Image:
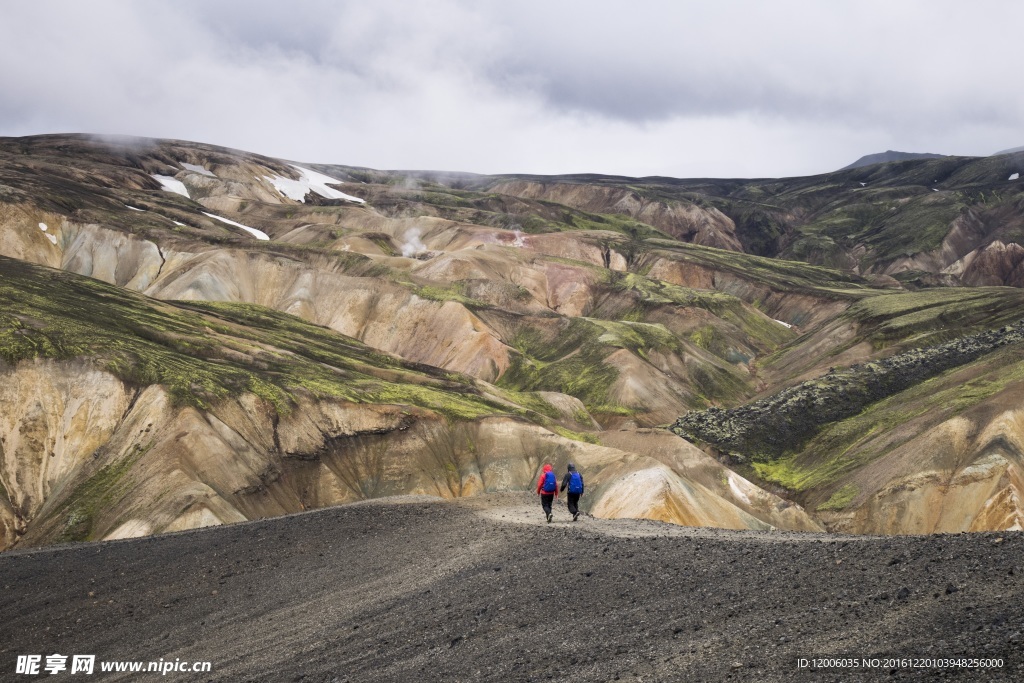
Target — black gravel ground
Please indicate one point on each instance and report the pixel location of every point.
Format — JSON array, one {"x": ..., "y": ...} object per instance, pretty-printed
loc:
[{"x": 482, "y": 590}]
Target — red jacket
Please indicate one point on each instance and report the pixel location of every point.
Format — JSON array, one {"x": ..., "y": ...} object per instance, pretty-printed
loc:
[{"x": 540, "y": 482}]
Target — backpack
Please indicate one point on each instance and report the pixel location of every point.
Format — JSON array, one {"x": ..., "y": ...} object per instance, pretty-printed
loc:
[
  {"x": 550, "y": 483},
  {"x": 575, "y": 482}
]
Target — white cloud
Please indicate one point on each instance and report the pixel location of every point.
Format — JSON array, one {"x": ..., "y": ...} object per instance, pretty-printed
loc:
[{"x": 686, "y": 89}]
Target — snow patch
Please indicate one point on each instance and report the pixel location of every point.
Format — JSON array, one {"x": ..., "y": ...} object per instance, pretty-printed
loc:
[
  {"x": 172, "y": 185},
  {"x": 258, "y": 234},
  {"x": 863, "y": 184},
  {"x": 934, "y": 190},
  {"x": 309, "y": 181},
  {"x": 52, "y": 238},
  {"x": 1014, "y": 176},
  {"x": 195, "y": 168},
  {"x": 177, "y": 223},
  {"x": 412, "y": 244},
  {"x": 786, "y": 325},
  {"x": 133, "y": 208}
]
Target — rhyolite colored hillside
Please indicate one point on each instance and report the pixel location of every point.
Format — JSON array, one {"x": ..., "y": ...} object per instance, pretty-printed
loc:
[{"x": 193, "y": 335}]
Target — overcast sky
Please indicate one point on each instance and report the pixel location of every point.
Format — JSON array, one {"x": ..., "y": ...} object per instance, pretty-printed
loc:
[{"x": 689, "y": 89}]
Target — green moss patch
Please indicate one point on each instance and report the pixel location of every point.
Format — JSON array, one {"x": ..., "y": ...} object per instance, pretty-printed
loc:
[
  {"x": 99, "y": 492},
  {"x": 569, "y": 360},
  {"x": 576, "y": 436},
  {"x": 787, "y": 276},
  {"x": 840, "y": 499},
  {"x": 935, "y": 315}
]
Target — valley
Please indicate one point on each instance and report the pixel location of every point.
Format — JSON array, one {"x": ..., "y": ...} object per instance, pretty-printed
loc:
[{"x": 192, "y": 336}]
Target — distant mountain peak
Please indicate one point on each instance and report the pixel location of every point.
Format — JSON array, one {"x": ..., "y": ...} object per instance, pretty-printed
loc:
[
  {"x": 889, "y": 155},
  {"x": 1009, "y": 151}
]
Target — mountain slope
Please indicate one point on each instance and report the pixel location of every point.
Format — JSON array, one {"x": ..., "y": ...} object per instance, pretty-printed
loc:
[
  {"x": 887, "y": 156},
  {"x": 124, "y": 416},
  {"x": 920, "y": 220},
  {"x": 461, "y": 329},
  {"x": 922, "y": 441}
]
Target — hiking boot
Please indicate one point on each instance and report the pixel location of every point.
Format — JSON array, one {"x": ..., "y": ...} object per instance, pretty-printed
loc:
[
  {"x": 575, "y": 516},
  {"x": 549, "y": 518}
]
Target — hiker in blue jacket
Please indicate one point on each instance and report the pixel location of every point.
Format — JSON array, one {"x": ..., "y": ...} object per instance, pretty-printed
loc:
[{"x": 573, "y": 480}]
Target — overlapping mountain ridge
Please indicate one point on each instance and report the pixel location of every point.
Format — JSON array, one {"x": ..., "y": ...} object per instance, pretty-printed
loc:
[{"x": 410, "y": 332}]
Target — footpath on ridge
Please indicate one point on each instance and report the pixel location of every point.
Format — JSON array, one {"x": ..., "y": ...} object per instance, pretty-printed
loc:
[{"x": 482, "y": 589}]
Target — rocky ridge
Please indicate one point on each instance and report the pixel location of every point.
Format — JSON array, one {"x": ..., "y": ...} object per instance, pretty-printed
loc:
[
  {"x": 784, "y": 422},
  {"x": 481, "y": 588}
]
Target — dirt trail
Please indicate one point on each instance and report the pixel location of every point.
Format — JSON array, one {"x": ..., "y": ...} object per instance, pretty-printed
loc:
[
  {"x": 424, "y": 590},
  {"x": 525, "y": 509}
]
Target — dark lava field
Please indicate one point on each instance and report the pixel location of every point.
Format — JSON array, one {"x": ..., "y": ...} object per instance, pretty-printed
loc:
[{"x": 482, "y": 590}]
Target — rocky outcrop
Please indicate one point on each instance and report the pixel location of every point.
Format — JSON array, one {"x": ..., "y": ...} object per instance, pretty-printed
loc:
[
  {"x": 770, "y": 427},
  {"x": 995, "y": 264}
]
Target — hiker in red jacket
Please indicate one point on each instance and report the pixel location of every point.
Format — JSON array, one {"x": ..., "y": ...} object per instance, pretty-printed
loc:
[{"x": 547, "y": 488}]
